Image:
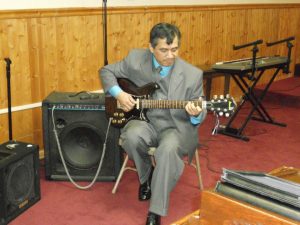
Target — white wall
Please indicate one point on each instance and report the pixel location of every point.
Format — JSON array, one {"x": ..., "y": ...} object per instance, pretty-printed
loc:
[{"x": 37, "y": 4}]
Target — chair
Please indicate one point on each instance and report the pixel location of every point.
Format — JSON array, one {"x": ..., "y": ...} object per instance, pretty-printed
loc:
[{"x": 151, "y": 153}]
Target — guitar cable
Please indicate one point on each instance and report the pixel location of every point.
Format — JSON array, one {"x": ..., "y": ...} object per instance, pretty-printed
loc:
[
  {"x": 63, "y": 160},
  {"x": 217, "y": 124}
]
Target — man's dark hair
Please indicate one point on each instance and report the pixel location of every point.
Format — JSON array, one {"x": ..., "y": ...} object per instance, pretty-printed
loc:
[{"x": 162, "y": 31}]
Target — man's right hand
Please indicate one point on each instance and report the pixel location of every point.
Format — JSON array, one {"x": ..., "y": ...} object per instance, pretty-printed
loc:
[{"x": 126, "y": 101}]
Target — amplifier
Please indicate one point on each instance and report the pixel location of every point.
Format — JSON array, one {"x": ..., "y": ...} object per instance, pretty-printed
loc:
[{"x": 81, "y": 124}]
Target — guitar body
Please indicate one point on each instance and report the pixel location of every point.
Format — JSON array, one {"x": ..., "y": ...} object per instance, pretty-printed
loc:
[{"x": 119, "y": 117}]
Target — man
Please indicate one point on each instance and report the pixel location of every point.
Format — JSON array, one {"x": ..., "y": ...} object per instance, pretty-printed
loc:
[{"x": 174, "y": 132}]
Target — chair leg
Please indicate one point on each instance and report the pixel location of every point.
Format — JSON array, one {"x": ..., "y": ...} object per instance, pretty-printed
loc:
[
  {"x": 123, "y": 169},
  {"x": 198, "y": 169}
]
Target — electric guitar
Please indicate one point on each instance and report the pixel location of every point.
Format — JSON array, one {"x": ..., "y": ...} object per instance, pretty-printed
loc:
[{"x": 222, "y": 106}]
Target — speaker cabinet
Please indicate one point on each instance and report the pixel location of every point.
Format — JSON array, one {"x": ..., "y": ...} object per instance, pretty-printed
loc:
[
  {"x": 81, "y": 125},
  {"x": 19, "y": 179}
]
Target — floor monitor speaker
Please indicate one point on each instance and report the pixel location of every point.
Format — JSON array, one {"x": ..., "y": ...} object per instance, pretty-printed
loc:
[
  {"x": 81, "y": 125},
  {"x": 19, "y": 179}
]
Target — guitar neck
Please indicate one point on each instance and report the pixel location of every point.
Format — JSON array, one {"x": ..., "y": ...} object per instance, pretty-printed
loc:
[{"x": 165, "y": 104}]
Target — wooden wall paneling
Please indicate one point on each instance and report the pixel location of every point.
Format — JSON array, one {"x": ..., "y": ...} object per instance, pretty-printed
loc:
[
  {"x": 235, "y": 34},
  {"x": 263, "y": 24},
  {"x": 95, "y": 48},
  {"x": 19, "y": 55},
  {"x": 3, "y": 128},
  {"x": 37, "y": 132},
  {"x": 22, "y": 125},
  {"x": 3, "y": 90},
  {"x": 3, "y": 54},
  {"x": 34, "y": 41},
  {"x": 227, "y": 30},
  {"x": 289, "y": 26},
  {"x": 34, "y": 59},
  {"x": 17, "y": 44},
  {"x": 53, "y": 53},
  {"x": 135, "y": 32},
  {"x": 114, "y": 37},
  {"x": 86, "y": 70},
  {"x": 48, "y": 58},
  {"x": 183, "y": 21},
  {"x": 72, "y": 46},
  {"x": 99, "y": 42},
  {"x": 200, "y": 46},
  {"x": 201, "y": 32}
]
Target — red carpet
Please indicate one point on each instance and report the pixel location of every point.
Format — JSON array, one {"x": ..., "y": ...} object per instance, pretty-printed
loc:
[
  {"x": 285, "y": 92},
  {"x": 269, "y": 147}
]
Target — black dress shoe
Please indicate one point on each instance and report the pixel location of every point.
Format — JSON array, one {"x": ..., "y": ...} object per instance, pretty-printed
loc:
[
  {"x": 145, "y": 189},
  {"x": 153, "y": 219}
]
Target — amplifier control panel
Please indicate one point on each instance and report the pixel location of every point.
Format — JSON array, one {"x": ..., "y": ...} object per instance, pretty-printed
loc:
[{"x": 77, "y": 107}]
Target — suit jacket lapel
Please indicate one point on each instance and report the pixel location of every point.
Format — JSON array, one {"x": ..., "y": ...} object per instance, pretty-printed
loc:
[
  {"x": 175, "y": 79},
  {"x": 146, "y": 66}
]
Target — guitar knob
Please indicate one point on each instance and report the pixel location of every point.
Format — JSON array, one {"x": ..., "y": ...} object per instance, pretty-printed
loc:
[
  {"x": 221, "y": 113},
  {"x": 116, "y": 114},
  {"x": 121, "y": 114},
  {"x": 119, "y": 121},
  {"x": 114, "y": 121},
  {"x": 215, "y": 97},
  {"x": 221, "y": 96},
  {"x": 227, "y": 114},
  {"x": 227, "y": 95}
]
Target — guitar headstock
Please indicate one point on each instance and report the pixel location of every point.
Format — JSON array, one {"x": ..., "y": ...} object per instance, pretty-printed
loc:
[{"x": 223, "y": 106}]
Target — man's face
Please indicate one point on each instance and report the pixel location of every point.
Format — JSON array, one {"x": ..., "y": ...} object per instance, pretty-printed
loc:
[{"x": 165, "y": 54}]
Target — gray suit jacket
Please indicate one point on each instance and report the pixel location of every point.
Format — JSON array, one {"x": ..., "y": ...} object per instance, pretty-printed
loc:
[{"x": 186, "y": 84}]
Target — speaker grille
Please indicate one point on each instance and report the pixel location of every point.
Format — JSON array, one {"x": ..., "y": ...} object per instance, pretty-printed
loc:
[
  {"x": 20, "y": 181},
  {"x": 81, "y": 145}
]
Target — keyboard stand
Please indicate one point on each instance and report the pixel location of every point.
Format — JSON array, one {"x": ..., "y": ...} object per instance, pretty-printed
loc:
[{"x": 247, "y": 88}]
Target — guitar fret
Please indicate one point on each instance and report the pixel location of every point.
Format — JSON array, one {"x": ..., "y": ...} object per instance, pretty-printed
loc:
[{"x": 166, "y": 104}]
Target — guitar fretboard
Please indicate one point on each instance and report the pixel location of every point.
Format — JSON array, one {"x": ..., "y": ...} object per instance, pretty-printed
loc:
[{"x": 166, "y": 104}]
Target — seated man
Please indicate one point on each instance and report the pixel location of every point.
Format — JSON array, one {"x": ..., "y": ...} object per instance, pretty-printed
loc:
[{"x": 174, "y": 132}]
